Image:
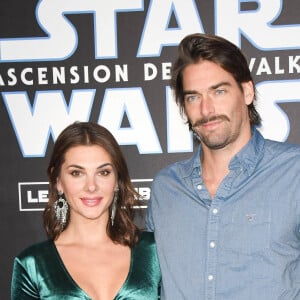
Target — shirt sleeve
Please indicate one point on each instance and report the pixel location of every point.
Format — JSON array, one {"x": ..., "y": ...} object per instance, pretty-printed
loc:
[{"x": 22, "y": 286}]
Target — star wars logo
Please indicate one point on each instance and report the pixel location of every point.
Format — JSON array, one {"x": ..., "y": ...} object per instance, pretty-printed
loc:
[{"x": 49, "y": 111}]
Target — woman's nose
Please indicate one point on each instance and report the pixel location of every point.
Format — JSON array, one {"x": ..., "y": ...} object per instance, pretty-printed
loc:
[{"x": 91, "y": 184}]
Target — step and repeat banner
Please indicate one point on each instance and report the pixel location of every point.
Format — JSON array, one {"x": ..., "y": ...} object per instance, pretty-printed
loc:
[{"x": 109, "y": 62}]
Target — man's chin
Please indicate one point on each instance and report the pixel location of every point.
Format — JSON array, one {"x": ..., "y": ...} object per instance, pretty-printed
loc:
[{"x": 214, "y": 144}]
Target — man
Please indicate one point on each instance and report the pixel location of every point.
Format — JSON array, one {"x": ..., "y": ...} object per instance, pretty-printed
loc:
[{"x": 227, "y": 220}]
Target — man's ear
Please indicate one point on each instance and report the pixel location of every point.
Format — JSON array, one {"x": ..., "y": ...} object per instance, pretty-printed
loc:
[{"x": 248, "y": 90}]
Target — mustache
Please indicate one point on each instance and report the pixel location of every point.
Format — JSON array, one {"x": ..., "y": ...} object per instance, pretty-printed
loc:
[{"x": 210, "y": 119}]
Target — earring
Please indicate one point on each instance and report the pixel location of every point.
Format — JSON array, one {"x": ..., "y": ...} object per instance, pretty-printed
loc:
[
  {"x": 61, "y": 209},
  {"x": 114, "y": 207}
]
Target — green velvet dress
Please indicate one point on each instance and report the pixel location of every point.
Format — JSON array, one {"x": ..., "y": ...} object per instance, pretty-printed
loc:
[{"x": 39, "y": 273}]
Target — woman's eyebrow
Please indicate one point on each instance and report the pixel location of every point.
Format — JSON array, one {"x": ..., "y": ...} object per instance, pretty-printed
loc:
[{"x": 81, "y": 168}]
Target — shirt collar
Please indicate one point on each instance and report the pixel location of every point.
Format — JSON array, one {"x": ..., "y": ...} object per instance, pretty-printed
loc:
[
  {"x": 247, "y": 158},
  {"x": 250, "y": 155}
]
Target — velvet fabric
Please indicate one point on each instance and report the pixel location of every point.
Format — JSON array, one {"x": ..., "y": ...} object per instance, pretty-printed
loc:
[{"x": 39, "y": 273}]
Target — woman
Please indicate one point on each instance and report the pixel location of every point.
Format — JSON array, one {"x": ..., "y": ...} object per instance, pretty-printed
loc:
[{"x": 94, "y": 250}]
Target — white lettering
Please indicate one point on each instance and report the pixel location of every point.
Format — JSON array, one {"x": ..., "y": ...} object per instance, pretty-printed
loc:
[
  {"x": 275, "y": 65},
  {"x": 179, "y": 137},
  {"x": 30, "y": 198},
  {"x": 12, "y": 77},
  {"x": 24, "y": 78},
  {"x": 41, "y": 197},
  {"x": 61, "y": 40},
  {"x": 63, "y": 75},
  {"x": 74, "y": 75},
  {"x": 275, "y": 123},
  {"x": 130, "y": 102},
  {"x": 263, "y": 67},
  {"x": 1, "y": 81},
  {"x": 294, "y": 64},
  {"x": 104, "y": 70},
  {"x": 144, "y": 192},
  {"x": 166, "y": 71},
  {"x": 42, "y": 76},
  {"x": 150, "y": 71},
  {"x": 59, "y": 75},
  {"x": 86, "y": 74},
  {"x": 278, "y": 70},
  {"x": 263, "y": 35},
  {"x": 121, "y": 73},
  {"x": 49, "y": 115},
  {"x": 157, "y": 29}
]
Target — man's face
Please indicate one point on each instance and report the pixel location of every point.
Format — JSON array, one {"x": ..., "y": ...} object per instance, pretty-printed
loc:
[{"x": 216, "y": 106}]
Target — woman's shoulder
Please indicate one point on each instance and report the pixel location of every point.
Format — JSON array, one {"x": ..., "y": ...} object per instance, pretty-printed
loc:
[
  {"x": 145, "y": 254},
  {"x": 37, "y": 250},
  {"x": 147, "y": 237},
  {"x": 146, "y": 243}
]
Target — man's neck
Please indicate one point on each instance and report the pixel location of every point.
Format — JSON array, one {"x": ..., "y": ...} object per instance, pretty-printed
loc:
[{"x": 215, "y": 164}]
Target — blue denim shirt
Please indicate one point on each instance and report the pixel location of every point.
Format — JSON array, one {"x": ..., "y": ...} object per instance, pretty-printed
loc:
[{"x": 242, "y": 245}]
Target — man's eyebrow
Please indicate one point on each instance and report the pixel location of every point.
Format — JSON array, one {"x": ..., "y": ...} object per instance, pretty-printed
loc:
[
  {"x": 213, "y": 87},
  {"x": 222, "y": 83},
  {"x": 189, "y": 92}
]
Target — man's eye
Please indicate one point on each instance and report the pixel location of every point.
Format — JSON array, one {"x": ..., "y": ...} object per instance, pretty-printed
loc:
[
  {"x": 220, "y": 92},
  {"x": 191, "y": 98}
]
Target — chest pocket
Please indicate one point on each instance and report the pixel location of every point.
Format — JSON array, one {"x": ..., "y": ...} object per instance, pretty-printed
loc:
[{"x": 246, "y": 228}]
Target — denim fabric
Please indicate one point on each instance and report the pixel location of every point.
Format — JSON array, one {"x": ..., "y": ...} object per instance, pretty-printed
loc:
[{"x": 242, "y": 245}]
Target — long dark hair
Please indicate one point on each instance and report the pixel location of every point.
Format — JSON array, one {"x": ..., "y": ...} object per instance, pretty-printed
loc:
[
  {"x": 196, "y": 47},
  {"x": 124, "y": 231}
]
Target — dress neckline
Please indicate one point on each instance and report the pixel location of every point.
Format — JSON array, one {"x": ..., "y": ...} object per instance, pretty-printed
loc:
[{"x": 77, "y": 285}]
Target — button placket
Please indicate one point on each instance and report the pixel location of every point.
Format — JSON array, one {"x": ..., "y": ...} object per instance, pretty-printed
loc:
[{"x": 212, "y": 232}]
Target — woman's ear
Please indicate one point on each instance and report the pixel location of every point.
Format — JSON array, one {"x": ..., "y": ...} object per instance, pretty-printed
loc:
[
  {"x": 248, "y": 90},
  {"x": 58, "y": 185}
]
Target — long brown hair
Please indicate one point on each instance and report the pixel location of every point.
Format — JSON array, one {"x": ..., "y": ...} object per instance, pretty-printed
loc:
[
  {"x": 124, "y": 231},
  {"x": 197, "y": 47}
]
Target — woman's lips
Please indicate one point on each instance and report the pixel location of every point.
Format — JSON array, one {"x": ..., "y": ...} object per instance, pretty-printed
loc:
[{"x": 91, "y": 201}]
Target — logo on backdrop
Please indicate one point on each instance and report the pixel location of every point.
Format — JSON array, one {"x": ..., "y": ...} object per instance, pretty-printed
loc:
[
  {"x": 49, "y": 110},
  {"x": 33, "y": 196},
  {"x": 52, "y": 80}
]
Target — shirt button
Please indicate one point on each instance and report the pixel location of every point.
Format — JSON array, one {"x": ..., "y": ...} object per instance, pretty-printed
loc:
[
  {"x": 199, "y": 187},
  {"x": 212, "y": 244},
  {"x": 210, "y": 277},
  {"x": 215, "y": 211}
]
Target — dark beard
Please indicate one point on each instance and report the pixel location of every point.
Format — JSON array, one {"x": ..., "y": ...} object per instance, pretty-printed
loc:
[
  {"x": 215, "y": 146},
  {"x": 206, "y": 141},
  {"x": 208, "y": 119}
]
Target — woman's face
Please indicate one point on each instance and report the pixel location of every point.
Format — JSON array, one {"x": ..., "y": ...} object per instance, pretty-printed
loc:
[{"x": 88, "y": 180}]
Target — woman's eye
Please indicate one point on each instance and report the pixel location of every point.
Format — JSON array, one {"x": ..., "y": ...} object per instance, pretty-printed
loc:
[
  {"x": 75, "y": 173},
  {"x": 104, "y": 172}
]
